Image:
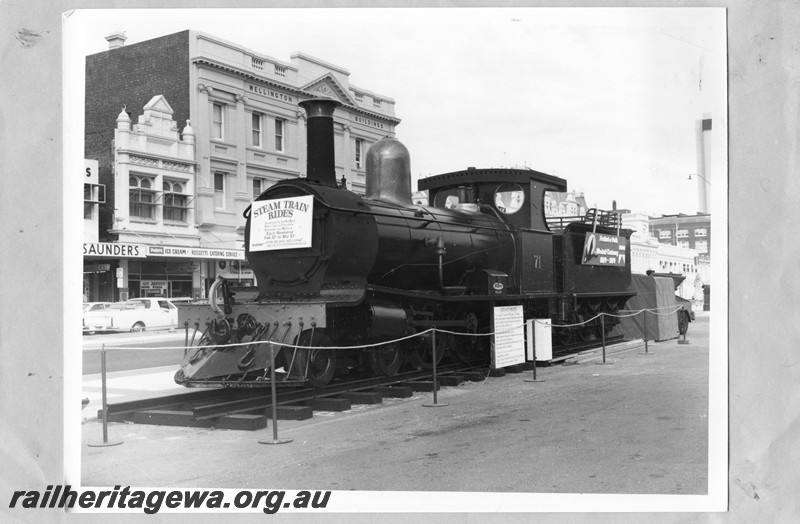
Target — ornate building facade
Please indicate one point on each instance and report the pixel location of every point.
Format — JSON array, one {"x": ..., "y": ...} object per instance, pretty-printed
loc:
[{"x": 240, "y": 108}]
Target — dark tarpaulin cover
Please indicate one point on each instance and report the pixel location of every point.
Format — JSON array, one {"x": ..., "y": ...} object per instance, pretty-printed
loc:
[{"x": 656, "y": 294}]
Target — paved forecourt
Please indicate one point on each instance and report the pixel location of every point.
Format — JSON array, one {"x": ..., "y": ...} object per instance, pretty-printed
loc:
[{"x": 638, "y": 424}]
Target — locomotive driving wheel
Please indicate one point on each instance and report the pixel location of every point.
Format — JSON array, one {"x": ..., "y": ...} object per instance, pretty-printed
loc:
[
  {"x": 421, "y": 353},
  {"x": 562, "y": 334},
  {"x": 386, "y": 360},
  {"x": 470, "y": 348},
  {"x": 589, "y": 311},
  {"x": 316, "y": 364},
  {"x": 585, "y": 331}
]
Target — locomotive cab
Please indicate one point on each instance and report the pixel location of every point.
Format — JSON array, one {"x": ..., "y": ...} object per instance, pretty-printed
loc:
[
  {"x": 515, "y": 198},
  {"x": 515, "y": 195}
]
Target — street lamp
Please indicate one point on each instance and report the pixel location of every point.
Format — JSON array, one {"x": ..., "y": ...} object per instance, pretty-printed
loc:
[{"x": 701, "y": 176}]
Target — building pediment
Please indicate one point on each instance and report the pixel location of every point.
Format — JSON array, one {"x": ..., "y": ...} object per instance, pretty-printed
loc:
[
  {"x": 328, "y": 86},
  {"x": 157, "y": 119},
  {"x": 159, "y": 104}
]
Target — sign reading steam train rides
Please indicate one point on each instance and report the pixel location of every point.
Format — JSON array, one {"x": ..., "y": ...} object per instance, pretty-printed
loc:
[
  {"x": 285, "y": 223},
  {"x": 604, "y": 250}
]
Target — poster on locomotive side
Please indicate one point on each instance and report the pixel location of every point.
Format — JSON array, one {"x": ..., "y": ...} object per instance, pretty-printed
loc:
[
  {"x": 285, "y": 223},
  {"x": 604, "y": 250}
]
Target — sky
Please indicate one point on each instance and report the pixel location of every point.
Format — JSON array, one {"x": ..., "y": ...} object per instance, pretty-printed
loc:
[{"x": 606, "y": 98}]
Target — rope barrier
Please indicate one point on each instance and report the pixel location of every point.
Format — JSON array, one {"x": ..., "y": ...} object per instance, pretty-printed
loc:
[{"x": 409, "y": 337}]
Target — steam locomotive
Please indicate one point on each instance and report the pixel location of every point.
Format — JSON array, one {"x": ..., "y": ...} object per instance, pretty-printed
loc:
[{"x": 345, "y": 281}]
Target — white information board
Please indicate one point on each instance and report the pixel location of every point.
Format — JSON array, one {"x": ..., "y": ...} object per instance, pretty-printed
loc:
[
  {"x": 285, "y": 223},
  {"x": 509, "y": 336},
  {"x": 540, "y": 337}
]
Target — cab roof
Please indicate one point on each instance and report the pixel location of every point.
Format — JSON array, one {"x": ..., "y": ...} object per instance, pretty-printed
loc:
[{"x": 473, "y": 175}]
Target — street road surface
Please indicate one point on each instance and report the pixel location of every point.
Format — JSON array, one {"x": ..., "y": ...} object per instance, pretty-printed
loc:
[{"x": 126, "y": 351}]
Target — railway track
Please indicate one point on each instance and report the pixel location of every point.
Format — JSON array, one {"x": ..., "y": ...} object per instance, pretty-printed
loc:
[{"x": 249, "y": 408}]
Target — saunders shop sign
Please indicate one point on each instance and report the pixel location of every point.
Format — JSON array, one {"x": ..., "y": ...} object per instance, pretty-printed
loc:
[
  {"x": 121, "y": 250},
  {"x": 116, "y": 250}
]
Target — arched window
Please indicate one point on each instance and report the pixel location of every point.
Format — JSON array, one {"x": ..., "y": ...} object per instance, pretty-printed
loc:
[
  {"x": 142, "y": 197},
  {"x": 175, "y": 200}
]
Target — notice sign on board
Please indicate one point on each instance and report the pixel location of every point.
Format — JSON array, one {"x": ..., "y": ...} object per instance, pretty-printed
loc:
[
  {"x": 540, "y": 340},
  {"x": 604, "y": 250},
  {"x": 509, "y": 337},
  {"x": 285, "y": 223}
]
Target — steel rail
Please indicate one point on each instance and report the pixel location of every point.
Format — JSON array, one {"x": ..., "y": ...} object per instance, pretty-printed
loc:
[
  {"x": 286, "y": 396},
  {"x": 211, "y": 403}
]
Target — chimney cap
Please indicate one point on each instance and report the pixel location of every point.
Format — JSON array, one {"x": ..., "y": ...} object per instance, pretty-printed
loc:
[{"x": 116, "y": 39}]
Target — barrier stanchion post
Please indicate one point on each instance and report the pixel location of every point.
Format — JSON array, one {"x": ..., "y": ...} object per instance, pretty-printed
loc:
[
  {"x": 645, "y": 333},
  {"x": 436, "y": 403},
  {"x": 603, "y": 333},
  {"x": 105, "y": 442},
  {"x": 186, "y": 338},
  {"x": 603, "y": 338},
  {"x": 533, "y": 346},
  {"x": 274, "y": 403}
]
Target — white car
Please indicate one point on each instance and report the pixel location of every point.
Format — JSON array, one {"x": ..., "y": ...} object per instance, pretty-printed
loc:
[
  {"x": 135, "y": 315},
  {"x": 95, "y": 306}
]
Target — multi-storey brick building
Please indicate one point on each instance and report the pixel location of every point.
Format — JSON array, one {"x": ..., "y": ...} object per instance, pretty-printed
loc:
[
  {"x": 692, "y": 231},
  {"x": 249, "y": 132},
  {"x": 648, "y": 254}
]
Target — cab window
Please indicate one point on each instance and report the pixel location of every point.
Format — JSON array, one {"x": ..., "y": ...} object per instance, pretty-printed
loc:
[
  {"x": 508, "y": 198},
  {"x": 447, "y": 199}
]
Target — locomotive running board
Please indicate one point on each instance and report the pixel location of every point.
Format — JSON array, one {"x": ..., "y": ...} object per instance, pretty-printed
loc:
[{"x": 431, "y": 295}]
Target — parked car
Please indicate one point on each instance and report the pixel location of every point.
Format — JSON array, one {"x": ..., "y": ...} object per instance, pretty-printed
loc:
[
  {"x": 134, "y": 315},
  {"x": 95, "y": 306}
]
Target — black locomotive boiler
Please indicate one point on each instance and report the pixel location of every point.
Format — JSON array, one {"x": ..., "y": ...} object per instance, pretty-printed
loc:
[{"x": 341, "y": 277}]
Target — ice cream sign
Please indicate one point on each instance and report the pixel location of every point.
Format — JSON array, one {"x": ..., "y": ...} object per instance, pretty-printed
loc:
[{"x": 285, "y": 223}]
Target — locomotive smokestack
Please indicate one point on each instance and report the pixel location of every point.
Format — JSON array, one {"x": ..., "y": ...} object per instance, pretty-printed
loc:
[
  {"x": 320, "y": 163},
  {"x": 389, "y": 172}
]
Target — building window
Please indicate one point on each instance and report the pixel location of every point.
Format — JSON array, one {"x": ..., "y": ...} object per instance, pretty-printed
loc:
[
  {"x": 700, "y": 232},
  {"x": 682, "y": 233},
  {"x": 88, "y": 205},
  {"x": 359, "y": 153},
  {"x": 218, "y": 121},
  {"x": 176, "y": 202},
  {"x": 257, "y": 118},
  {"x": 701, "y": 247},
  {"x": 219, "y": 190},
  {"x": 665, "y": 233},
  {"x": 279, "y": 125},
  {"x": 683, "y": 243},
  {"x": 93, "y": 194},
  {"x": 259, "y": 185},
  {"x": 142, "y": 196}
]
